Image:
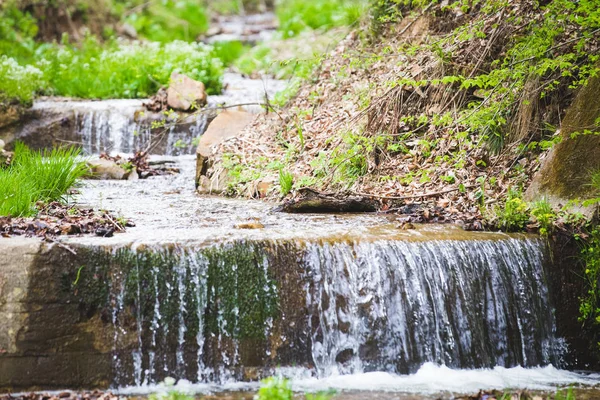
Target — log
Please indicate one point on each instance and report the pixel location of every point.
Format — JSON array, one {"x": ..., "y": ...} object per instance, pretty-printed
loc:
[{"x": 311, "y": 201}]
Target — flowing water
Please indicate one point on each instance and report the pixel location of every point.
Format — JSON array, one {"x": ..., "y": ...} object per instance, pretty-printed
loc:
[{"x": 350, "y": 302}]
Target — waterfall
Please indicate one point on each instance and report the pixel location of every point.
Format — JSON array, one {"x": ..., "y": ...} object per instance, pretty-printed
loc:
[
  {"x": 127, "y": 129},
  {"x": 235, "y": 310}
]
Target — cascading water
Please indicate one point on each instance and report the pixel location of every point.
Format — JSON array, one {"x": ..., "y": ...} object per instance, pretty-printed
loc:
[{"x": 213, "y": 314}]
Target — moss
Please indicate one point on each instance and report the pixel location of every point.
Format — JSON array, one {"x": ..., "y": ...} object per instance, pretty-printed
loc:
[
  {"x": 241, "y": 295},
  {"x": 566, "y": 172}
]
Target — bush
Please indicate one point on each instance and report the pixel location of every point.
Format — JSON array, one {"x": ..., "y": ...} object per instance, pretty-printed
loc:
[
  {"x": 38, "y": 176},
  {"x": 275, "y": 388},
  {"x": 18, "y": 82},
  {"x": 543, "y": 214},
  {"x": 125, "y": 70},
  {"x": 297, "y": 15},
  {"x": 169, "y": 20},
  {"x": 514, "y": 215}
]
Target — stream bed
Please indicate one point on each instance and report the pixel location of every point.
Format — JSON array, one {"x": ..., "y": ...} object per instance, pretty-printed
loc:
[{"x": 219, "y": 293}]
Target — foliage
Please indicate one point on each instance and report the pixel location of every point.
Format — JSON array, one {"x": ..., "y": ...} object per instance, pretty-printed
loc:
[
  {"x": 38, "y": 177},
  {"x": 275, "y": 388},
  {"x": 278, "y": 388},
  {"x": 565, "y": 395},
  {"x": 19, "y": 82},
  {"x": 229, "y": 52},
  {"x": 17, "y": 31},
  {"x": 589, "y": 307},
  {"x": 135, "y": 70},
  {"x": 168, "y": 20},
  {"x": 298, "y": 15},
  {"x": 543, "y": 214},
  {"x": 286, "y": 182},
  {"x": 514, "y": 215}
]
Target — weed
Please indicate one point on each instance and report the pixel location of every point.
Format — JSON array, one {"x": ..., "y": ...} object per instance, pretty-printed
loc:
[
  {"x": 514, "y": 215},
  {"x": 544, "y": 215},
  {"x": 286, "y": 182}
]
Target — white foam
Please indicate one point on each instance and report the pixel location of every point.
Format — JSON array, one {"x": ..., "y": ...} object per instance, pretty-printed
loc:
[{"x": 429, "y": 379}]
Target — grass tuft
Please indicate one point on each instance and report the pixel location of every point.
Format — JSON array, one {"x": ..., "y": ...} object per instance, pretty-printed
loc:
[{"x": 38, "y": 177}]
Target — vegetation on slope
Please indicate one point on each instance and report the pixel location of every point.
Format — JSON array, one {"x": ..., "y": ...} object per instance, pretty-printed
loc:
[{"x": 448, "y": 104}]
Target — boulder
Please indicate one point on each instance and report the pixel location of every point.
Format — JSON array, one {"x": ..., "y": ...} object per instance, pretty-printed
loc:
[
  {"x": 106, "y": 169},
  {"x": 565, "y": 173},
  {"x": 184, "y": 92},
  {"x": 226, "y": 125}
]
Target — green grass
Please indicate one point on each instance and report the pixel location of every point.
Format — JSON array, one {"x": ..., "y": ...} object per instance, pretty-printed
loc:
[
  {"x": 116, "y": 70},
  {"x": 38, "y": 177},
  {"x": 298, "y": 15},
  {"x": 286, "y": 182}
]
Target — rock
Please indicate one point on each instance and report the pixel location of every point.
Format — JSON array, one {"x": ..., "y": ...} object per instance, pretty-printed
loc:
[
  {"x": 106, "y": 169},
  {"x": 565, "y": 173},
  {"x": 263, "y": 187},
  {"x": 226, "y": 125},
  {"x": 132, "y": 175},
  {"x": 184, "y": 92},
  {"x": 250, "y": 225},
  {"x": 128, "y": 31},
  {"x": 1, "y": 145}
]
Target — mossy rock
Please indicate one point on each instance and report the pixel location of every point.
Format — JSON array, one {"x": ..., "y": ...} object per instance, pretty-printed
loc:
[{"x": 566, "y": 172}]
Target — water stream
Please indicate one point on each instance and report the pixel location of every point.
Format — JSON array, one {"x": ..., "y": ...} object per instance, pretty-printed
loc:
[{"x": 334, "y": 301}]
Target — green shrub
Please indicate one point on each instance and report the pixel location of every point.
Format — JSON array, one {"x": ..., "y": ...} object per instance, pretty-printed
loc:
[
  {"x": 297, "y": 15},
  {"x": 18, "y": 82},
  {"x": 125, "y": 70},
  {"x": 544, "y": 215},
  {"x": 38, "y": 176},
  {"x": 514, "y": 215},
  {"x": 275, "y": 388},
  {"x": 589, "y": 307},
  {"x": 228, "y": 52},
  {"x": 168, "y": 20}
]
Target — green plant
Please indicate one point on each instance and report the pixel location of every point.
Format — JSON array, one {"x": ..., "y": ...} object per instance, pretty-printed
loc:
[
  {"x": 275, "y": 388},
  {"x": 514, "y": 215},
  {"x": 169, "y": 20},
  {"x": 229, "y": 52},
  {"x": 542, "y": 212},
  {"x": 565, "y": 395},
  {"x": 95, "y": 70},
  {"x": 38, "y": 176},
  {"x": 589, "y": 307},
  {"x": 52, "y": 172},
  {"x": 19, "y": 82},
  {"x": 286, "y": 182},
  {"x": 297, "y": 15}
]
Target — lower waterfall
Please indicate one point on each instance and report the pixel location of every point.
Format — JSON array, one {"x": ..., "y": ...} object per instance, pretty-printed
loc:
[{"x": 237, "y": 311}]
